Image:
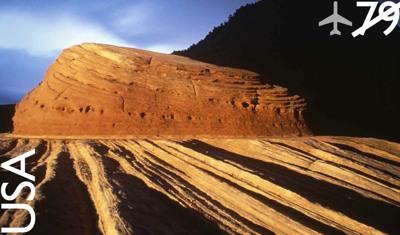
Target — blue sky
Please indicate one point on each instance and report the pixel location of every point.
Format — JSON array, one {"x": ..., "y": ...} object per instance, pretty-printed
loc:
[{"x": 33, "y": 32}]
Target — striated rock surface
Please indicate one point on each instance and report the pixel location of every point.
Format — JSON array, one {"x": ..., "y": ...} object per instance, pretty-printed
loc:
[
  {"x": 95, "y": 89},
  {"x": 308, "y": 185}
]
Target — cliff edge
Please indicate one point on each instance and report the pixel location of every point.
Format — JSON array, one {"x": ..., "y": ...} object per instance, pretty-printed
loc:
[{"x": 95, "y": 89}]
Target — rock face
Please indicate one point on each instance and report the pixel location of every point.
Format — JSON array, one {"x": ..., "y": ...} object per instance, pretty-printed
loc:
[
  {"x": 95, "y": 89},
  {"x": 301, "y": 185}
]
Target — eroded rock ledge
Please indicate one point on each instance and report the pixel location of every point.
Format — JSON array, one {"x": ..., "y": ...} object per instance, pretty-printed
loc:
[{"x": 95, "y": 89}]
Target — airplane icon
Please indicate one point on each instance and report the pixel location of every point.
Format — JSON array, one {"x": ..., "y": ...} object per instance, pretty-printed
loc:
[{"x": 335, "y": 18}]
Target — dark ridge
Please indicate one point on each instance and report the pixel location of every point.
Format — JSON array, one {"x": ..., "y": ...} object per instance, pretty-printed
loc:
[
  {"x": 149, "y": 211},
  {"x": 285, "y": 210},
  {"x": 67, "y": 207},
  {"x": 5, "y": 148},
  {"x": 365, "y": 154},
  {"x": 384, "y": 170},
  {"x": 378, "y": 214},
  {"x": 40, "y": 150},
  {"x": 31, "y": 162},
  {"x": 291, "y": 213},
  {"x": 208, "y": 199},
  {"x": 101, "y": 149},
  {"x": 164, "y": 163},
  {"x": 389, "y": 184},
  {"x": 6, "y": 115},
  {"x": 40, "y": 174},
  {"x": 293, "y": 149},
  {"x": 350, "y": 84}
]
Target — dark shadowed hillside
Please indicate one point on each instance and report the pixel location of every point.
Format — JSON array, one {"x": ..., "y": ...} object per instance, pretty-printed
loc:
[
  {"x": 351, "y": 85},
  {"x": 6, "y": 114}
]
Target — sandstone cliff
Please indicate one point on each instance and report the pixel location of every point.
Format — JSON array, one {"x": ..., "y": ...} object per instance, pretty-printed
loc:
[{"x": 95, "y": 89}]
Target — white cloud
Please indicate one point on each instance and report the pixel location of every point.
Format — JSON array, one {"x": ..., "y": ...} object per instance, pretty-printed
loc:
[
  {"x": 164, "y": 48},
  {"x": 44, "y": 35},
  {"x": 133, "y": 19}
]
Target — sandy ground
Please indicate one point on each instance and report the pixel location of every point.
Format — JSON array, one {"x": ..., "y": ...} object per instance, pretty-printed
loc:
[{"x": 306, "y": 185}]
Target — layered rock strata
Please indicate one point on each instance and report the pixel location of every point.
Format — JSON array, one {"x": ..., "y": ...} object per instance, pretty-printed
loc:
[
  {"x": 95, "y": 89},
  {"x": 307, "y": 185}
]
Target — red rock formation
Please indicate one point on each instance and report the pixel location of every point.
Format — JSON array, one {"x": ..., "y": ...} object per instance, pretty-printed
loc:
[{"x": 94, "y": 89}]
